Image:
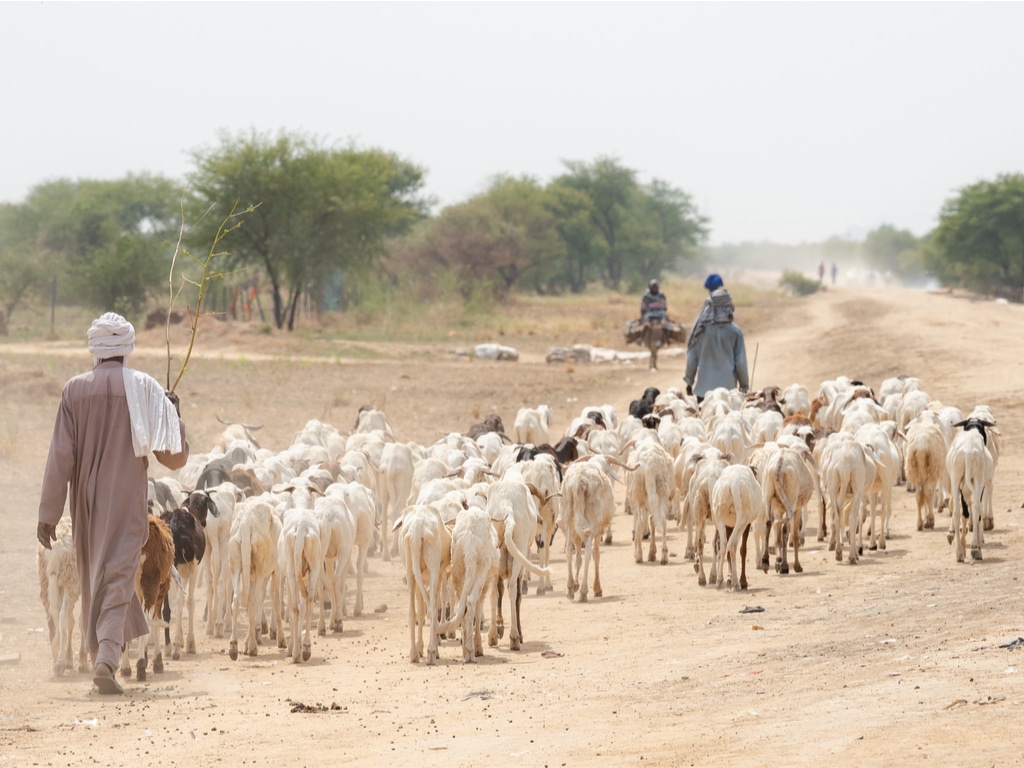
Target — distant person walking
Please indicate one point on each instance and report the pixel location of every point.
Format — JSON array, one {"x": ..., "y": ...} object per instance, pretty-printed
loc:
[
  {"x": 835, "y": 271},
  {"x": 717, "y": 355},
  {"x": 109, "y": 420},
  {"x": 821, "y": 272}
]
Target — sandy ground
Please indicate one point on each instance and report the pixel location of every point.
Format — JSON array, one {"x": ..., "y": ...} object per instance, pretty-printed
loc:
[{"x": 893, "y": 661}]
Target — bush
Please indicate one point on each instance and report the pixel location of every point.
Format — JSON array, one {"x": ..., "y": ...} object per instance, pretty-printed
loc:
[{"x": 798, "y": 283}]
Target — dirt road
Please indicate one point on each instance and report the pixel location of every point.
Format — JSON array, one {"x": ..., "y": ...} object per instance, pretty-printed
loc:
[{"x": 893, "y": 661}]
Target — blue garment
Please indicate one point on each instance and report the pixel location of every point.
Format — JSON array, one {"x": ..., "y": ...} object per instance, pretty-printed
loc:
[{"x": 718, "y": 359}]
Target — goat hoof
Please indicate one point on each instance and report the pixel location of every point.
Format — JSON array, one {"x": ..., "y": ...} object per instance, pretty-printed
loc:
[
  {"x": 175, "y": 655},
  {"x": 929, "y": 523},
  {"x": 872, "y": 547},
  {"x": 949, "y": 538},
  {"x": 988, "y": 524},
  {"x": 701, "y": 581},
  {"x": 158, "y": 664},
  {"x": 140, "y": 672},
  {"x": 798, "y": 568},
  {"x": 190, "y": 649},
  {"x": 58, "y": 668},
  {"x": 233, "y": 651},
  {"x": 306, "y": 653},
  {"x": 975, "y": 553}
]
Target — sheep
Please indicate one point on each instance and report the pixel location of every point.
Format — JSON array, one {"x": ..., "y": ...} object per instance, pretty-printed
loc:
[
  {"x": 492, "y": 423},
  {"x": 682, "y": 470},
  {"x": 532, "y": 425},
  {"x": 396, "y": 479},
  {"x": 993, "y": 441},
  {"x": 645, "y": 405},
  {"x": 187, "y": 525},
  {"x": 588, "y": 505},
  {"x": 887, "y": 472},
  {"x": 59, "y": 590},
  {"x": 736, "y": 509},
  {"x": 152, "y": 583},
  {"x": 512, "y": 510},
  {"x": 362, "y": 506},
  {"x": 369, "y": 419},
  {"x": 216, "y": 572},
  {"x": 252, "y": 555},
  {"x": 337, "y": 537},
  {"x": 789, "y": 479},
  {"x": 847, "y": 472},
  {"x": 709, "y": 465},
  {"x": 300, "y": 558},
  {"x": 542, "y": 476},
  {"x": 425, "y": 543},
  {"x": 795, "y": 399},
  {"x": 924, "y": 467},
  {"x": 731, "y": 435},
  {"x": 474, "y": 567},
  {"x": 650, "y": 491},
  {"x": 971, "y": 469}
]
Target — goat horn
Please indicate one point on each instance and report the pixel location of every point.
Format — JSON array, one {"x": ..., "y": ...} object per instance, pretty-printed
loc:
[{"x": 613, "y": 460}]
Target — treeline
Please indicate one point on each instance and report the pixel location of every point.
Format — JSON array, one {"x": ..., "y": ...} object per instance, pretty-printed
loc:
[{"x": 317, "y": 218}]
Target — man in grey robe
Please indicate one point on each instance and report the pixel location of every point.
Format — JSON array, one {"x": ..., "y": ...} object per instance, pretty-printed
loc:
[
  {"x": 99, "y": 432},
  {"x": 717, "y": 355}
]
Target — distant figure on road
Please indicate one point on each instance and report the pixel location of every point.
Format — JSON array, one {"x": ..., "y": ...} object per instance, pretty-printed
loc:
[
  {"x": 821, "y": 272},
  {"x": 835, "y": 271}
]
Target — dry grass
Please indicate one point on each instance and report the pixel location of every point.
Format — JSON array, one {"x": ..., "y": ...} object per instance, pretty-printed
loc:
[{"x": 595, "y": 316}]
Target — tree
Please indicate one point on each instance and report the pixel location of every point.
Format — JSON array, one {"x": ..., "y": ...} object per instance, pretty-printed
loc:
[
  {"x": 321, "y": 210},
  {"x": 23, "y": 267},
  {"x": 585, "y": 248},
  {"x": 107, "y": 238},
  {"x": 673, "y": 229},
  {"x": 645, "y": 228},
  {"x": 979, "y": 243},
  {"x": 894, "y": 250},
  {"x": 610, "y": 188}
]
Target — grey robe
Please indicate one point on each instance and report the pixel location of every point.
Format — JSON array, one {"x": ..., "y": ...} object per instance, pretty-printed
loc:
[
  {"x": 718, "y": 359},
  {"x": 92, "y": 450}
]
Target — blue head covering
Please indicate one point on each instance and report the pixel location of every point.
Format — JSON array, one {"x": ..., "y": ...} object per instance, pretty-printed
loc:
[{"x": 714, "y": 281}]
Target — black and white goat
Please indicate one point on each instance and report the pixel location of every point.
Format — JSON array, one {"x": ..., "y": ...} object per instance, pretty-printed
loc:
[{"x": 186, "y": 523}]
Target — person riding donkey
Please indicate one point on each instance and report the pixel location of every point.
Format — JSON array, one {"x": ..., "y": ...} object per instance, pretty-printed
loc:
[{"x": 653, "y": 305}]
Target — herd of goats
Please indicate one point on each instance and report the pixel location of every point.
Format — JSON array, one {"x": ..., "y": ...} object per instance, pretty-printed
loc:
[{"x": 275, "y": 536}]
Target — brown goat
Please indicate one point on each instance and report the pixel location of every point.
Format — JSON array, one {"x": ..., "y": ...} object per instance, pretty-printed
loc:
[{"x": 152, "y": 583}]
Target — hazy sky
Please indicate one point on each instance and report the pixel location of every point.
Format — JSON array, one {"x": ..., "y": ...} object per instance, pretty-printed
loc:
[{"x": 788, "y": 122}]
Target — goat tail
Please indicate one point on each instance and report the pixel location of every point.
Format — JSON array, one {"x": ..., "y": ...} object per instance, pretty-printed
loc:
[
  {"x": 510, "y": 545},
  {"x": 416, "y": 566}
]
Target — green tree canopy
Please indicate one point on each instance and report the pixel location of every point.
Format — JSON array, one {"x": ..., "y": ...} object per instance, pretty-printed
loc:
[
  {"x": 106, "y": 239},
  {"x": 321, "y": 210},
  {"x": 979, "y": 243},
  {"x": 887, "y": 248},
  {"x": 645, "y": 228}
]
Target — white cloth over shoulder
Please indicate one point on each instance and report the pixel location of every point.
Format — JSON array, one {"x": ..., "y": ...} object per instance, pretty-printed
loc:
[
  {"x": 110, "y": 335},
  {"x": 155, "y": 425}
]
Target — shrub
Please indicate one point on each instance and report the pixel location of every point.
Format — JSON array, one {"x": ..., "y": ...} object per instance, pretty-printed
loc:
[{"x": 798, "y": 284}]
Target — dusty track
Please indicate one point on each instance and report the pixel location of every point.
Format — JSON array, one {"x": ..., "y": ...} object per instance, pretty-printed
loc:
[{"x": 893, "y": 661}]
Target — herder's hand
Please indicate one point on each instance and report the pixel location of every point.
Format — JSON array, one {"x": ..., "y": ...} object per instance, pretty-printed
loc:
[{"x": 46, "y": 533}]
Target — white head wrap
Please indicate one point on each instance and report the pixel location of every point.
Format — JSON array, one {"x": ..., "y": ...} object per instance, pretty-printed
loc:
[{"x": 110, "y": 335}]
